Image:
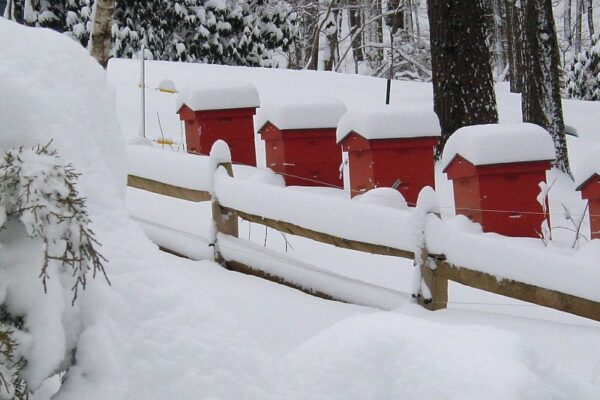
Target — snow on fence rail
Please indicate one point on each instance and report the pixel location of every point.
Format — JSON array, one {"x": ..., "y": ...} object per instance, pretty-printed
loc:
[{"x": 522, "y": 273}]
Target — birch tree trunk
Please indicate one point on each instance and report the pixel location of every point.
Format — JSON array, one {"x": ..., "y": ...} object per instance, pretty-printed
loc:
[
  {"x": 541, "y": 102},
  {"x": 463, "y": 85},
  {"x": 101, "y": 34}
]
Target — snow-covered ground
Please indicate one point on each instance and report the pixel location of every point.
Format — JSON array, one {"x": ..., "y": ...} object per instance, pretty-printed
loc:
[{"x": 174, "y": 328}]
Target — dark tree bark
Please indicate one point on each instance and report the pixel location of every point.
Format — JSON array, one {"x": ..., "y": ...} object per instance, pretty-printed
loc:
[
  {"x": 395, "y": 16},
  {"x": 590, "y": 16},
  {"x": 514, "y": 37},
  {"x": 567, "y": 21},
  {"x": 463, "y": 86},
  {"x": 578, "y": 26},
  {"x": 541, "y": 102},
  {"x": 493, "y": 17},
  {"x": 355, "y": 26}
]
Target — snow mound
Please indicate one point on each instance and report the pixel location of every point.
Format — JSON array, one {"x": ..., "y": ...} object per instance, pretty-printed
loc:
[
  {"x": 389, "y": 122},
  {"x": 376, "y": 357},
  {"x": 222, "y": 95},
  {"x": 510, "y": 143},
  {"x": 75, "y": 112},
  {"x": 302, "y": 113},
  {"x": 167, "y": 85},
  {"x": 39, "y": 106},
  {"x": 384, "y": 197}
]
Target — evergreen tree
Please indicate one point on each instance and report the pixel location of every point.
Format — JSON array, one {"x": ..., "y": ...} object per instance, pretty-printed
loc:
[
  {"x": 235, "y": 32},
  {"x": 583, "y": 75},
  {"x": 221, "y": 32},
  {"x": 65, "y": 16}
]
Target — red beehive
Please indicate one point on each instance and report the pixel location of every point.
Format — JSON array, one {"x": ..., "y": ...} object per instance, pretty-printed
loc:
[
  {"x": 390, "y": 147},
  {"x": 496, "y": 172},
  {"x": 300, "y": 140},
  {"x": 222, "y": 111},
  {"x": 590, "y": 190}
]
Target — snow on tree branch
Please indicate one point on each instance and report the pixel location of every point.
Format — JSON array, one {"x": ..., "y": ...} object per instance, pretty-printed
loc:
[{"x": 39, "y": 190}]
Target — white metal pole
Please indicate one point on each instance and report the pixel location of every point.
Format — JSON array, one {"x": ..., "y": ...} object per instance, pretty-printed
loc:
[{"x": 143, "y": 87}]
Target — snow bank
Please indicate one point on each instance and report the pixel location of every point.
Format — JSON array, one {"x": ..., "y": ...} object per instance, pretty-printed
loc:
[
  {"x": 338, "y": 217},
  {"x": 190, "y": 171},
  {"x": 499, "y": 144},
  {"x": 52, "y": 90},
  {"x": 309, "y": 277},
  {"x": 302, "y": 113},
  {"x": 459, "y": 361},
  {"x": 384, "y": 197},
  {"x": 512, "y": 258},
  {"x": 389, "y": 122},
  {"x": 221, "y": 95},
  {"x": 44, "y": 79}
]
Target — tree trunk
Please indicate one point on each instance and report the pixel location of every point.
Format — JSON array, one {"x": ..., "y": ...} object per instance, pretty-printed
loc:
[
  {"x": 514, "y": 38},
  {"x": 417, "y": 24},
  {"x": 463, "y": 85},
  {"x": 395, "y": 16},
  {"x": 493, "y": 20},
  {"x": 567, "y": 34},
  {"x": 331, "y": 33},
  {"x": 356, "y": 25},
  {"x": 408, "y": 24},
  {"x": 590, "y": 16},
  {"x": 578, "y": 26},
  {"x": 101, "y": 35},
  {"x": 313, "y": 62},
  {"x": 541, "y": 102}
]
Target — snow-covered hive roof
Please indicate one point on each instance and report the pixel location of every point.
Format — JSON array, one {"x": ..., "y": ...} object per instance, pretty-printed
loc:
[
  {"x": 389, "y": 122},
  {"x": 222, "y": 95},
  {"x": 586, "y": 171},
  {"x": 302, "y": 113},
  {"x": 499, "y": 144}
]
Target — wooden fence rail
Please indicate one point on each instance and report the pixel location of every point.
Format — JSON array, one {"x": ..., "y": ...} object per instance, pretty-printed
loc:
[{"x": 435, "y": 274}]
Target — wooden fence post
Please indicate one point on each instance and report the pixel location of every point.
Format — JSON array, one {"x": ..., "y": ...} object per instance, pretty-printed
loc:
[
  {"x": 437, "y": 285},
  {"x": 224, "y": 222},
  {"x": 430, "y": 288}
]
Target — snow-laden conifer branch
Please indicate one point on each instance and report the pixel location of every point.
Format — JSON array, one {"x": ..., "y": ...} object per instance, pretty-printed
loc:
[
  {"x": 39, "y": 190},
  {"x": 12, "y": 385}
]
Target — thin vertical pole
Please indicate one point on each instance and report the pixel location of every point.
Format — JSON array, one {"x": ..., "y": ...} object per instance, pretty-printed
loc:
[
  {"x": 143, "y": 84},
  {"x": 391, "y": 73}
]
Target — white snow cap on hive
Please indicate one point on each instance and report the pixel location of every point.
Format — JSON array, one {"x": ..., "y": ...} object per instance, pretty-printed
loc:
[
  {"x": 302, "y": 113},
  {"x": 222, "y": 95},
  {"x": 389, "y": 122},
  {"x": 584, "y": 171},
  {"x": 499, "y": 144}
]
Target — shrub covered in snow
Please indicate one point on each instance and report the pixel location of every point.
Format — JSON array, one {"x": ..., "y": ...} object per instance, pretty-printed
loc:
[
  {"x": 583, "y": 75},
  {"x": 40, "y": 212}
]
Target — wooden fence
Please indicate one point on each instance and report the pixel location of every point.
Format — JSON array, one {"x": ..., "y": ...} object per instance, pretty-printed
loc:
[{"x": 435, "y": 270}]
